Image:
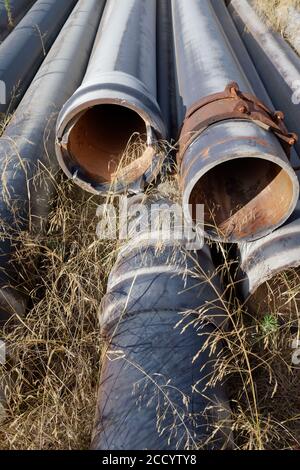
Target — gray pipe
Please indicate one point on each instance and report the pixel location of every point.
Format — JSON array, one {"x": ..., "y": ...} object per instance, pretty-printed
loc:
[
  {"x": 22, "y": 53},
  {"x": 27, "y": 146},
  {"x": 236, "y": 168},
  {"x": 146, "y": 397},
  {"x": 116, "y": 99},
  {"x": 269, "y": 270},
  {"x": 9, "y": 19},
  {"x": 245, "y": 61},
  {"x": 277, "y": 64},
  {"x": 240, "y": 51}
]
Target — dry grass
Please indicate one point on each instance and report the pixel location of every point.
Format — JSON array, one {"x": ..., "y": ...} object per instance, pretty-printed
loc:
[
  {"x": 8, "y": 11},
  {"x": 282, "y": 19},
  {"x": 270, "y": 8},
  {"x": 263, "y": 381},
  {"x": 55, "y": 351}
]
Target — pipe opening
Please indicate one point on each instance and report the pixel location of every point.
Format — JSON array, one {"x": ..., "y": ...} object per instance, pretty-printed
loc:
[
  {"x": 243, "y": 197},
  {"x": 280, "y": 295},
  {"x": 99, "y": 140}
]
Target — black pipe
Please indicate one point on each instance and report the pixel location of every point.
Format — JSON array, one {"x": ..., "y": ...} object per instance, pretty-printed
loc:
[
  {"x": 166, "y": 82},
  {"x": 146, "y": 396},
  {"x": 22, "y": 53},
  {"x": 27, "y": 146},
  {"x": 10, "y": 17}
]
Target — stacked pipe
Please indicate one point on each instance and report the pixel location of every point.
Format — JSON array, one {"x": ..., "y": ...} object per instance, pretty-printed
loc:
[
  {"x": 233, "y": 157},
  {"x": 247, "y": 64},
  {"x": 23, "y": 51},
  {"x": 153, "y": 394},
  {"x": 115, "y": 104},
  {"x": 11, "y": 13},
  {"x": 233, "y": 152},
  {"x": 240, "y": 51},
  {"x": 27, "y": 147},
  {"x": 274, "y": 58},
  {"x": 270, "y": 275},
  {"x": 269, "y": 267}
]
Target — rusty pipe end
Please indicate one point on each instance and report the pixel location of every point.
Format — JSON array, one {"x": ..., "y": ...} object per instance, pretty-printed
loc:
[
  {"x": 95, "y": 128},
  {"x": 243, "y": 179}
]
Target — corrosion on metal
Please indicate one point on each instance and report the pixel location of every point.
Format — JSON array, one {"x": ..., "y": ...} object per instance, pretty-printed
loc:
[
  {"x": 232, "y": 104},
  {"x": 233, "y": 150}
]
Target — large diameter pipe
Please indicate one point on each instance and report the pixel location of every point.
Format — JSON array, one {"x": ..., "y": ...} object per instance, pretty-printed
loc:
[
  {"x": 247, "y": 64},
  {"x": 235, "y": 167},
  {"x": 22, "y": 53},
  {"x": 277, "y": 64},
  {"x": 240, "y": 51},
  {"x": 270, "y": 271},
  {"x": 148, "y": 397},
  {"x": 115, "y": 104},
  {"x": 11, "y": 13},
  {"x": 27, "y": 147}
]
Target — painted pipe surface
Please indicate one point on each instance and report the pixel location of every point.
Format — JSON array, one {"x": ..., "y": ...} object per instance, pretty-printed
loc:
[
  {"x": 240, "y": 51},
  {"x": 247, "y": 64},
  {"x": 27, "y": 147},
  {"x": 11, "y": 17},
  {"x": 116, "y": 101},
  {"x": 270, "y": 275},
  {"x": 277, "y": 64},
  {"x": 148, "y": 368},
  {"x": 22, "y": 53},
  {"x": 236, "y": 168}
]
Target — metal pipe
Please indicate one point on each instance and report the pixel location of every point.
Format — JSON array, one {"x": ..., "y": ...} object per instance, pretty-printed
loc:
[
  {"x": 27, "y": 146},
  {"x": 269, "y": 275},
  {"x": 240, "y": 51},
  {"x": 10, "y": 17},
  {"x": 277, "y": 64},
  {"x": 22, "y": 53},
  {"x": 228, "y": 160},
  {"x": 115, "y": 103},
  {"x": 147, "y": 398},
  {"x": 245, "y": 61}
]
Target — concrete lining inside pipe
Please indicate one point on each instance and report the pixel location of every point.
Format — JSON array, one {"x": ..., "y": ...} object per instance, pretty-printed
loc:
[
  {"x": 243, "y": 197},
  {"x": 100, "y": 137}
]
